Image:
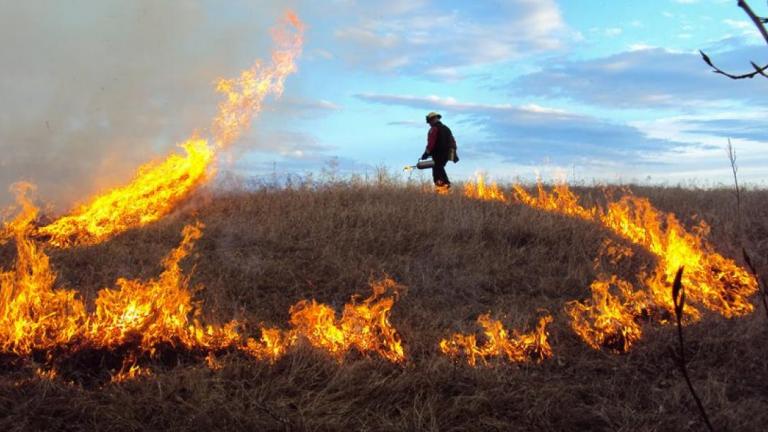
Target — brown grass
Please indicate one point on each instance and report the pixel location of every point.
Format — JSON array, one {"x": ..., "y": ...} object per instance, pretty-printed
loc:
[{"x": 263, "y": 251}]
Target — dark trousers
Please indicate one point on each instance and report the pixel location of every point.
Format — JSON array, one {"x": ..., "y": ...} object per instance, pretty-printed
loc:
[{"x": 439, "y": 175}]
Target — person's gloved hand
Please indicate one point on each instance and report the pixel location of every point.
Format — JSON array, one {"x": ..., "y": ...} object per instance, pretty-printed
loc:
[{"x": 425, "y": 156}]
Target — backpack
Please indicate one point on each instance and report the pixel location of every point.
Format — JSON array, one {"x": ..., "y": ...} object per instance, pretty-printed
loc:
[{"x": 446, "y": 144}]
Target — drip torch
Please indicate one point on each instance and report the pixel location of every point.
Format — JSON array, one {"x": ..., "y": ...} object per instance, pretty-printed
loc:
[{"x": 421, "y": 165}]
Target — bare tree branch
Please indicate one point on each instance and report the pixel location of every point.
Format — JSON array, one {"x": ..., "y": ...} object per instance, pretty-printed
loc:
[
  {"x": 678, "y": 298},
  {"x": 760, "y": 281},
  {"x": 755, "y": 19},
  {"x": 731, "y": 152},
  {"x": 759, "y": 23},
  {"x": 758, "y": 70}
]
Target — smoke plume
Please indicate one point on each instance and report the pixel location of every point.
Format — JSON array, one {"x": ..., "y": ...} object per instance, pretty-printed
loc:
[{"x": 93, "y": 89}]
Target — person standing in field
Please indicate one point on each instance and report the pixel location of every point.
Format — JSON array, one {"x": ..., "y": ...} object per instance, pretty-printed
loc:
[{"x": 441, "y": 146}]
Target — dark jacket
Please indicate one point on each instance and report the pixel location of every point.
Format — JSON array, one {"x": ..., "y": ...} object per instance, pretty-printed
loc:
[{"x": 440, "y": 141}]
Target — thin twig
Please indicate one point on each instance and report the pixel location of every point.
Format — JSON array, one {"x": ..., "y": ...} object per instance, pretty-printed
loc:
[
  {"x": 755, "y": 19},
  {"x": 759, "y": 23},
  {"x": 678, "y": 297},
  {"x": 731, "y": 152},
  {"x": 758, "y": 70},
  {"x": 760, "y": 281}
]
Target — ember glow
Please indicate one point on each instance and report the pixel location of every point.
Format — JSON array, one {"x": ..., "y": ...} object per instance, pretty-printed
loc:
[
  {"x": 609, "y": 318},
  {"x": 158, "y": 188},
  {"x": 497, "y": 343}
]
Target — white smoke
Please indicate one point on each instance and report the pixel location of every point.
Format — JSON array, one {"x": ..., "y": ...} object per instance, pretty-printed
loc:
[{"x": 90, "y": 90}]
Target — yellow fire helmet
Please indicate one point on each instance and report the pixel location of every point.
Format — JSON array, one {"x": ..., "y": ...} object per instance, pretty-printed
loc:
[{"x": 433, "y": 115}]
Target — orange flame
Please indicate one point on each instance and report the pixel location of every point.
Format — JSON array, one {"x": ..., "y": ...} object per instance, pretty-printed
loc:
[
  {"x": 608, "y": 320},
  {"x": 245, "y": 94},
  {"x": 138, "y": 316},
  {"x": 517, "y": 349},
  {"x": 364, "y": 326},
  {"x": 157, "y": 189},
  {"x": 715, "y": 282},
  {"x": 154, "y": 192},
  {"x": 46, "y": 375},
  {"x": 560, "y": 200},
  {"x": 442, "y": 190},
  {"x": 157, "y": 310},
  {"x": 36, "y": 316},
  {"x": 33, "y": 315},
  {"x": 130, "y": 373},
  {"x": 272, "y": 345},
  {"x": 486, "y": 192}
]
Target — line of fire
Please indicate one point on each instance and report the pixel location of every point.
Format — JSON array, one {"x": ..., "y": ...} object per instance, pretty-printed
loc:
[{"x": 137, "y": 321}]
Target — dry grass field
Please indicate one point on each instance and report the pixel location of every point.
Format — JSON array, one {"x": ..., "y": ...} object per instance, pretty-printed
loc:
[{"x": 264, "y": 250}]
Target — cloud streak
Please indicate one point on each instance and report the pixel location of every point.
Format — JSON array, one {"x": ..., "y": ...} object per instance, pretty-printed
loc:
[
  {"x": 645, "y": 78},
  {"x": 424, "y": 39},
  {"x": 531, "y": 133}
]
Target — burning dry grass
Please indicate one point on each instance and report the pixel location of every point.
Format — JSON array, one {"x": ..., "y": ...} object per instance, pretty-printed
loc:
[
  {"x": 264, "y": 256},
  {"x": 519, "y": 348},
  {"x": 158, "y": 188},
  {"x": 609, "y": 318},
  {"x": 143, "y": 319},
  {"x": 155, "y": 191}
]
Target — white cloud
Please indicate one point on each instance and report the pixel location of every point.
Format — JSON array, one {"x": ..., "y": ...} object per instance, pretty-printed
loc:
[
  {"x": 534, "y": 138},
  {"x": 368, "y": 37},
  {"x": 542, "y": 109},
  {"x": 746, "y": 29},
  {"x": 641, "y": 47},
  {"x": 423, "y": 36},
  {"x": 712, "y": 129},
  {"x": 440, "y": 102},
  {"x": 647, "y": 78},
  {"x": 394, "y": 63},
  {"x": 293, "y": 105},
  {"x": 737, "y": 24},
  {"x": 445, "y": 73},
  {"x": 704, "y": 137},
  {"x": 533, "y": 131}
]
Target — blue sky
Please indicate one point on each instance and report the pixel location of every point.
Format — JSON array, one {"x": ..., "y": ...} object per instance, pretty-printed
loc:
[
  {"x": 586, "y": 90},
  {"x": 605, "y": 90}
]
